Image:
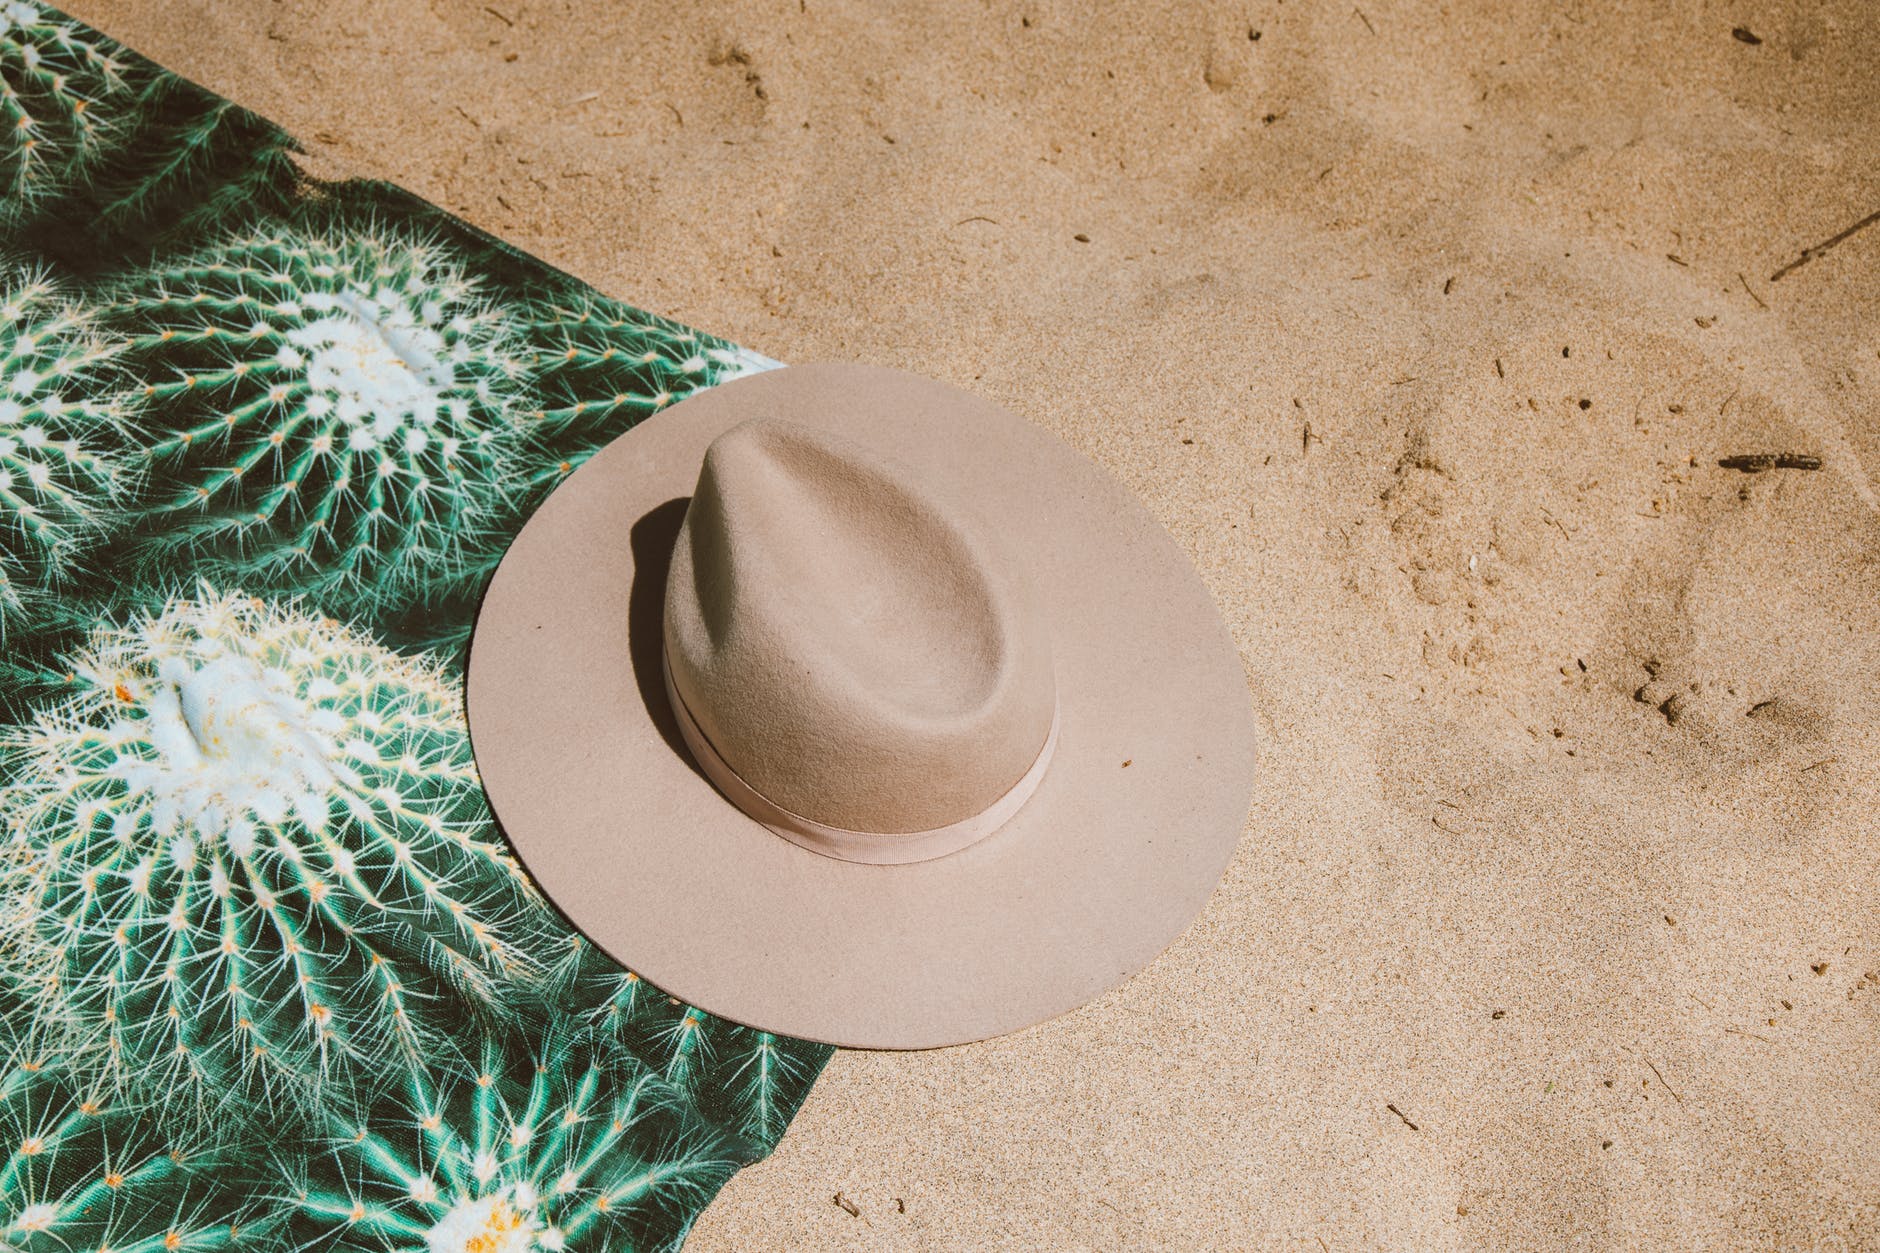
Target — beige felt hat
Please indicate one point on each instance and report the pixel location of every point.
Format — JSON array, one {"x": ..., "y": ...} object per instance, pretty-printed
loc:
[{"x": 910, "y": 727}]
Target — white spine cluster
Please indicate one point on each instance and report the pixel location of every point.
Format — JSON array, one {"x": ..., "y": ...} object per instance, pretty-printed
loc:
[
  {"x": 60, "y": 413},
  {"x": 505, "y": 1221},
  {"x": 54, "y": 75},
  {"x": 336, "y": 404},
  {"x": 250, "y": 842}
]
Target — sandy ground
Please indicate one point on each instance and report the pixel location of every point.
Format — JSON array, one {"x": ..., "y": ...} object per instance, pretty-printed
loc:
[{"x": 1423, "y": 328}]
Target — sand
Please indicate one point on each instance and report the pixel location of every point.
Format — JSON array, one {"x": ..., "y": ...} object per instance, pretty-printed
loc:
[{"x": 1423, "y": 329}]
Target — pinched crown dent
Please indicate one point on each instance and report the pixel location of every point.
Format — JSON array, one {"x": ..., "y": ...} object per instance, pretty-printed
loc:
[{"x": 860, "y": 652}]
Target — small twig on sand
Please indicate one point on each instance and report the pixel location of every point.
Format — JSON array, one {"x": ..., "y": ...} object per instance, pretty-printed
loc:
[
  {"x": 1747, "y": 288},
  {"x": 1757, "y": 462},
  {"x": 1809, "y": 254},
  {"x": 1406, "y": 1121},
  {"x": 1365, "y": 20},
  {"x": 1661, "y": 1079}
]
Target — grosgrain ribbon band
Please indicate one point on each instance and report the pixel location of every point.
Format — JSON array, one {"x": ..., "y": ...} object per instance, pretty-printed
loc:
[{"x": 872, "y": 848}]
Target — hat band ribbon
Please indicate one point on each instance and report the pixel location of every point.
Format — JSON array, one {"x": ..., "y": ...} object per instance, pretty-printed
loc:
[{"x": 872, "y": 848}]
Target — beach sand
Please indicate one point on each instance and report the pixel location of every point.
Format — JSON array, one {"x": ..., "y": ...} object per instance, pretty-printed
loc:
[{"x": 1423, "y": 328}]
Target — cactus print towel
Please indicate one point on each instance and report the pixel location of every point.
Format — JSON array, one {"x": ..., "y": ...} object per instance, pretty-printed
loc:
[{"x": 269, "y": 976}]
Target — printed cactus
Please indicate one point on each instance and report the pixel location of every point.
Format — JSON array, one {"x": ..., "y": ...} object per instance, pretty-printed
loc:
[
  {"x": 81, "y": 1168},
  {"x": 601, "y": 366},
  {"x": 269, "y": 978},
  {"x": 334, "y": 412},
  {"x": 249, "y": 849},
  {"x": 58, "y": 81},
  {"x": 105, "y": 153},
  {"x": 189, "y": 162},
  {"x": 565, "y": 1144},
  {"x": 748, "y": 1082},
  {"x": 61, "y": 416}
]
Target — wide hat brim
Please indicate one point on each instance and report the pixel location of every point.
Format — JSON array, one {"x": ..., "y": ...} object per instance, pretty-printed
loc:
[{"x": 1112, "y": 857}]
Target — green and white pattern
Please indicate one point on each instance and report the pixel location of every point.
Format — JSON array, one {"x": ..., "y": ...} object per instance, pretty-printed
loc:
[
  {"x": 602, "y": 365},
  {"x": 270, "y": 978},
  {"x": 748, "y": 1082},
  {"x": 84, "y": 1168},
  {"x": 59, "y": 83},
  {"x": 252, "y": 844},
  {"x": 61, "y": 416},
  {"x": 340, "y": 414},
  {"x": 557, "y": 1143},
  {"x": 191, "y": 165},
  {"x": 103, "y": 154}
]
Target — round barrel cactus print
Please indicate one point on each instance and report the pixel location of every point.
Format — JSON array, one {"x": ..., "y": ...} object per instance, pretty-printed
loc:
[
  {"x": 86, "y": 1167},
  {"x": 339, "y": 415},
  {"x": 270, "y": 976},
  {"x": 249, "y": 844},
  {"x": 601, "y": 366},
  {"x": 557, "y": 1143}
]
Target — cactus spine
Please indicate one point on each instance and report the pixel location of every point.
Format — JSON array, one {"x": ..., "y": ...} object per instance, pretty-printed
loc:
[
  {"x": 59, "y": 419},
  {"x": 749, "y": 1083},
  {"x": 54, "y": 76},
  {"x": 81, "y": 1168},
  {"x": 336, "y": 406},
  {"x": 250, "y": 846},
  {"x": 602, "y": 366},
  {"x": 189, "y": 162},
  {"x": 560, "y": 1144}
]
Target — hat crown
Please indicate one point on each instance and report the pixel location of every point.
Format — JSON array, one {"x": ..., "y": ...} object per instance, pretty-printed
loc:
[{"x": 861, "y": 652}]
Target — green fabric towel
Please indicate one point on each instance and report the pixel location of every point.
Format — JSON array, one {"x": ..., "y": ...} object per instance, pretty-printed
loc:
[{"x": 270, "y": 976}]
